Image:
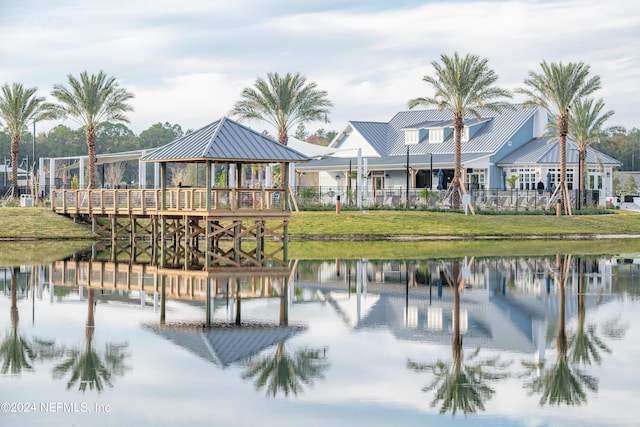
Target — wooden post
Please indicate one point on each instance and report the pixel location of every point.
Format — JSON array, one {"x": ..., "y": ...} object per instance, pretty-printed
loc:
[{"x": 285, "y": 186}]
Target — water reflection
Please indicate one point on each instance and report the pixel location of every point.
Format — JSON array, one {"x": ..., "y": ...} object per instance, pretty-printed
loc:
[
  {"x": 513, "y": 338},
  {"x": 87, "y": 366},
  {"x": 286, "y": 373},
  {"x": 16, "y": 352},
  {"x": 565, "y": 382},
  {"x": 464, "y": 383}
]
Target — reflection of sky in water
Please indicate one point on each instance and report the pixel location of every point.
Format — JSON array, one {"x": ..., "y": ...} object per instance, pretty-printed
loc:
[{"x": 367, "y": 382}]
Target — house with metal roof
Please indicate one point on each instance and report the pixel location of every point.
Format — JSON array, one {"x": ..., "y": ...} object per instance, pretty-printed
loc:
[{"x": 415, "y": 150}]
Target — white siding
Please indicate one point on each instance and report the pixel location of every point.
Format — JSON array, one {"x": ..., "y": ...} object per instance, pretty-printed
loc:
[{"x": 350, "y": 145}]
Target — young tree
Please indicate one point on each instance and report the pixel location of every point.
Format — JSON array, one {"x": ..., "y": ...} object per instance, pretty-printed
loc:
[
  {"x": 462, "y": 85},
  {"x": 18, "y": 107},
  {"x": 92, "y": 100},
  {"x": 557, "y": 89},
  {"x": 284, "y": 102}
]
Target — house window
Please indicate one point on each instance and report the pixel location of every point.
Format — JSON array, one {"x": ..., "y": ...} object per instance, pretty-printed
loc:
[
  {"x": 570, "y": 181},
  {"x": 476, "y": 179},
  {"x": 595, "y": 179},
  {"x": 555, "y": 176},
  {"x": 527, "y": 179},
  {"x": 465, "y": 134},
  {"x": 436, "y": 135},
  {"x": 411, "y": 136}
]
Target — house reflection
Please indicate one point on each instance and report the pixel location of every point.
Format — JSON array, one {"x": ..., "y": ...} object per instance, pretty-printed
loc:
[{"x": 508, "y": 304}]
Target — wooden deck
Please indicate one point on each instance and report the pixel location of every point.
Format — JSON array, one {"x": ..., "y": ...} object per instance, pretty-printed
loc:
[{"x": 226, "y": 202}]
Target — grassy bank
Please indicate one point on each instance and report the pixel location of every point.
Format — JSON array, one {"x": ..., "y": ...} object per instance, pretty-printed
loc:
[
  {"x": 39, "y": 223},
  {"x": 419, "y": 223}
]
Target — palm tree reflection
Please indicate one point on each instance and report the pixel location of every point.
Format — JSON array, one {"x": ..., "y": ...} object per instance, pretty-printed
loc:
[
  {"x": 462, "y": 384},
  {"x": 16, "y": 352},
  {"x": 565, "y": 383},
  {"x": 285, "y": 373},
  {"x": 88, "y": 367}
]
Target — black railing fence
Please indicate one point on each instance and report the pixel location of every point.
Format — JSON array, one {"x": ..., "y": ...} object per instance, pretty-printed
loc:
[{"x": 420, "y": 198}]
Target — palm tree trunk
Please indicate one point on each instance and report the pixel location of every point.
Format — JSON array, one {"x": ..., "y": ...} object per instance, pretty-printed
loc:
[
  {"x": 90, "y": 317},
  {"x": 456, "y": 342},
  {"x": 283, "y": 138},
  {"x": 15, "y": 149},
  {"x": 563, "y": 129},
  {"x": 458, "y": 126},
  {"x": 561, "y": 339},
  {"x": 583, "y": 164},
  {"x": 90, "y": 133},
  {"x": 14, "y": 297}
]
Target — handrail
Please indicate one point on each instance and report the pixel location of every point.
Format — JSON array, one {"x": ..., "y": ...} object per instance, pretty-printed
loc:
[{"x": 177, "y": 200}]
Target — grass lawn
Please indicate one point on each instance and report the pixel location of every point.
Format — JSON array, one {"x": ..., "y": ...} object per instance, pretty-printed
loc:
[
  {"x": 421, "y": 223},
  {"x": 39, "y": 223}
]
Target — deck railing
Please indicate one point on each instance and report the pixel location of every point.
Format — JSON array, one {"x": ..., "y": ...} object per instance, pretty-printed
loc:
[{"x": 176, "y": 200}]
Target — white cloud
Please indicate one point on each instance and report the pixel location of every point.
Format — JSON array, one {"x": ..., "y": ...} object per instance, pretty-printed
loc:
[{"x": 370, "y": 57}]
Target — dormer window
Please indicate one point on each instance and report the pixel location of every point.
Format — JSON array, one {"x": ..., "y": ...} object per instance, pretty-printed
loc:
[
  {"x": 411, "y": 136},
  {"x": 436, "y": 135}
]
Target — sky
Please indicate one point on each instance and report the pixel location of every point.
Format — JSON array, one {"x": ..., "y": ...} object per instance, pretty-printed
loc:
[{"x": 187, "y": 62}]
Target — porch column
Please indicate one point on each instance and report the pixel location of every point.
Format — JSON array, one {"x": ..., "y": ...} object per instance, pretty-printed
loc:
[
  {"x": 232, "y": 175},
  {"x": 163, "y": 184},
  {"x": 156, "y": 175},
  {"x": 42, "y": 179},
  {"x": 142, "y": 173},
  {"x": 81, "y": 172},
  {"x": 52, "y": 174}
]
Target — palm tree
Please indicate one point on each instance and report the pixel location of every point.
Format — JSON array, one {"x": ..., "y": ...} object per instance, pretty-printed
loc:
[
  {"x": 18, "y": 107},
  {"x": 87, "y": 366},
  {"x": 585, "y": 126},
  {"x": 557, "y": 89},
  {"x": 462, "y": 85},
  {"x": 284, "y": 102},
  {"x": 92, "y": 100},
  {"x": 283, "y": 373},
  {"x": 463, "y": 384}
]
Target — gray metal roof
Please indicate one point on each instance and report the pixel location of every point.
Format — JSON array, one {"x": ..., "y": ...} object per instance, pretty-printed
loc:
[
  {"x": 416, "y": 161},
  {"x": 495, "y": 129},
  {"x": 225, "y": 141},
  {"x": 375, "y": 133},
  {"x": 540, "y": 151}
]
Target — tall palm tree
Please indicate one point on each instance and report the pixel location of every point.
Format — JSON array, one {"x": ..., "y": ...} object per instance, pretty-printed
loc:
[
  {"x": 18, "y": 107},
  {"x": 88, "y": 367},
  {"x": 463, "y": 384},
  {"x": 285, "y": 373},
  {"x": 92, "y": 100},
  {"x": 284, "y": 102},
  {"x": 585, "y": 126},
  {"x": 462, "y": 85},
  {"x": 557, "y": 89}
]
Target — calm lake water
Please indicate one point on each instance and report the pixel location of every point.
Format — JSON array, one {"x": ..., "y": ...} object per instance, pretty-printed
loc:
[{"x": 479, "y": 341}]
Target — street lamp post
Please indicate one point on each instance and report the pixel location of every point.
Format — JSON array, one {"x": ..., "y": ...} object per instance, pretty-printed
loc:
[
  {"x": 34, "y": 142},
  {"x": 407, "y": 192},
  {"x": 430, "y": 171}
]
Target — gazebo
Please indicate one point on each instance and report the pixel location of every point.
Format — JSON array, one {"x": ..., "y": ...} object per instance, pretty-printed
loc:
[{"x": 185, "y": 217}]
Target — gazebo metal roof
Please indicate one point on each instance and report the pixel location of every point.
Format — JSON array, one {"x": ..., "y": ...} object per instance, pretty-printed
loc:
[{"x": 225, "y": 141}]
